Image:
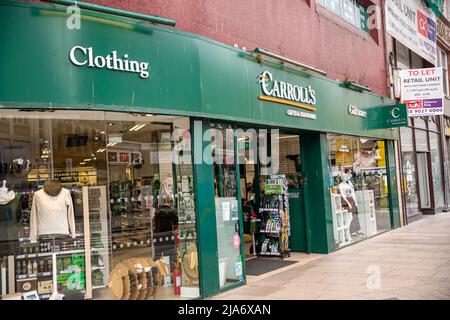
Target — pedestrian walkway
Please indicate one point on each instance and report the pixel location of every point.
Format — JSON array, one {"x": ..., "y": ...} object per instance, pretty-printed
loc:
[{"x": 412, "y": 262}]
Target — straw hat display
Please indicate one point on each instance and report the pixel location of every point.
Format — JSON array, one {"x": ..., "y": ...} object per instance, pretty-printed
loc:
[{"x": 137, "y": 278}]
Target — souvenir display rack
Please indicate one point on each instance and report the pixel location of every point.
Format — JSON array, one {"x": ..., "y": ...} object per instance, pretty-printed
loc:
[{"x": 274, "y": 229}]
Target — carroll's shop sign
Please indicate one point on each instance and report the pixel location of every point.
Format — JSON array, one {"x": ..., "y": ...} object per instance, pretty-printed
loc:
[
  {"x": 289, "y": 94},
  {"x": 391, "y": 116}
]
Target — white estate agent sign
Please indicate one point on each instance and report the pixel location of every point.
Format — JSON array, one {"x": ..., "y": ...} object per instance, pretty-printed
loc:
[
  {"x": 412, "y": 23},
  {"x": 423, "y": 91}
]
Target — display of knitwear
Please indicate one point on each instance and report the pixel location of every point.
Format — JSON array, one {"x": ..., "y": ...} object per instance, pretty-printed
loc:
[{"x": 51, "y": 214}]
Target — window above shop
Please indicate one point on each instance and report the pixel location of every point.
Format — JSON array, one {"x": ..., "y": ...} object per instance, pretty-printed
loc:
[
  {"x": 443, "y": 62},
  {"x": 349, "y": 10}
]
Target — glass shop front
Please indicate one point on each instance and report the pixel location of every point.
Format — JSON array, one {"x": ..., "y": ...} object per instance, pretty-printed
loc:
[
  {"x": 92, "y": 206},
  {"x": 359, "y": 188}
]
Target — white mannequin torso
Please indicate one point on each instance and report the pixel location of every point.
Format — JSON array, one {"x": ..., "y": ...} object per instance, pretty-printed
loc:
[{"x": 3, "y": 189}]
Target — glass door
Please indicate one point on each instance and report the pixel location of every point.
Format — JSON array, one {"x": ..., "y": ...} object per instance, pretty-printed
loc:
[
  {"x": 424, "y": 184},
  {"x": 227, "y": 206}
]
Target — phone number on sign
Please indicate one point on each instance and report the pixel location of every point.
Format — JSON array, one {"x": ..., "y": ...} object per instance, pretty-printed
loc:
[{"x": 428, "y": 110}]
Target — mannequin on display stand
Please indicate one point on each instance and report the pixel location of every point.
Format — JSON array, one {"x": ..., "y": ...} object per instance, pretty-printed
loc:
[
  {"x": 5, "y": 195},
  {"x": 348, "y": 197},
  {"x": 52, "y": 218}
]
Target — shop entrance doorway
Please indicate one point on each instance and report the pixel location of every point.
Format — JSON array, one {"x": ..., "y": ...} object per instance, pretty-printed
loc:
[
  {"x": 424, "y": 185},
  {"x": 274, "y": 222}
]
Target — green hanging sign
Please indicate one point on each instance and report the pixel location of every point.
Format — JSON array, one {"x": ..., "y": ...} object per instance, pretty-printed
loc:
[
  {"x": 391, "y": 116},
  {"x": 437, "y": 6}
]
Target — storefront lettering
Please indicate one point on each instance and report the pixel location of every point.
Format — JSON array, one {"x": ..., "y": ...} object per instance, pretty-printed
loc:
[
  {"x": 86, "y": 56},
  {"x": 354, "y": 111},
  {"x": 301, "y": 114},
  {"x": 286, "y": 93}
]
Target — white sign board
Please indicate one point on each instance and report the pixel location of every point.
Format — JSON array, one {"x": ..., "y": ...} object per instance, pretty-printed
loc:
[
  {"x": 412, "y": 23},
  {"x": 423, "y": 91}
]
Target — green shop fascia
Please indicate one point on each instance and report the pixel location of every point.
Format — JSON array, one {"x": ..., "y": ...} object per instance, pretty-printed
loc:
[{"x": 47, "y": 65}]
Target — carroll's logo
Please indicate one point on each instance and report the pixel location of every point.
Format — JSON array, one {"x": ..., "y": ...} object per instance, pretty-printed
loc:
[
  {"x": 286, "y": 93},
  {"x": 395, "y": 113}
]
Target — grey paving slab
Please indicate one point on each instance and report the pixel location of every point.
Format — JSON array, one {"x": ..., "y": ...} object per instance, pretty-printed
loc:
[{"x": 409, "y": 263}]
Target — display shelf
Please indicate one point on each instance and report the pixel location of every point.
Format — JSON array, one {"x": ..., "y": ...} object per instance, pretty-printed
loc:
[
  {"x": 61, "y": 253},
  {"x": 275, "y": 234},
  {"x": 97, "y": 268},
  {"x": 367, "y": 212},
  {"x": 269, "y": 209},
  {"x": 71, "y": 271},
  {"x": 46, "y": 254},
  {"x": 274, "y": 229},
  {"x": 98, "y": 287},
  {"x": 96, "y": 242},
  {"x": 27, "y": 276}
]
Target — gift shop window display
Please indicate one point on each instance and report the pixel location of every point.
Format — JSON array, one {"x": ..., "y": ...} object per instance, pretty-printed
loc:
[
  {"x": 151, "y": 198},
  {"x": 226, "y": 205},
  {"x": 47, "y": 159},
  {"x": 80, "y": 193},
  {"x": 359, "y": 190}
]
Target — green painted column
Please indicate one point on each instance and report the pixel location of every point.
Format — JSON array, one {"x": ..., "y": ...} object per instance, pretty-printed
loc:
[
  {"x": 319, "y": 220},
  {"x": 392, "y": 184},
  {"x": 206, "y": 216},
  {"x": 239, "y": 198}
]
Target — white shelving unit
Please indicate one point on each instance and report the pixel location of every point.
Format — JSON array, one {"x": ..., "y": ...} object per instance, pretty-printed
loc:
[
  {"x": 366, "y": 212},
  {"x": 341, "y": 221},
  {"x": 93, "y": 207}
]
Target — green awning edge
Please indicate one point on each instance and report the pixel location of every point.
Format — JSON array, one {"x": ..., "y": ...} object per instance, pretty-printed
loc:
[{"x": 437, "y": 6}]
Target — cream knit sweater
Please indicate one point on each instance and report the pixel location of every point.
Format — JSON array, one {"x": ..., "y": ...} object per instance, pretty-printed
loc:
[{"x": 51, "y": 215}]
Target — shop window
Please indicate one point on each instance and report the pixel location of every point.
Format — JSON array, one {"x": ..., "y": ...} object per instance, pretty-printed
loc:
[
  {"x": 416, "y": 61},
  {"x": 421, "y": 141},
  {"x": 359, "y": 190},
  {"x": 130, "y": 211},
  {"x": 152, "y": 198},
  {"x": 409, "y": 172},
  {"x": 350, "y": 10},
  {"x": 407, "y": 139},
  {"x": 436, "y": 169},
  {"x": 442, "y": 61},
  {"x": 226, "y": 205},
  {"x": 424, "y": 184},
  {"x": 433, "y": 123},
  {"x": 420, "y": 122},
  {"x": 402, "y": 55}
]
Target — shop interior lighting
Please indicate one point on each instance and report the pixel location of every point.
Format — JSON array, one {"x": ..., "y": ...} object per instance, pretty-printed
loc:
[
  {"x": 138, "y": 127},
  {"x": 293, "y": 62}
]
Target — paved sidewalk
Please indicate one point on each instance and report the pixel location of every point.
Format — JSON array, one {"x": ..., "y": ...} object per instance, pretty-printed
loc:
[{"x": 413, "y": 263}]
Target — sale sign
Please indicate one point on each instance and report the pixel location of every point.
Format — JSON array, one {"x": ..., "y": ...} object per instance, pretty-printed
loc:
[{"x": 423, "y": 91}]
